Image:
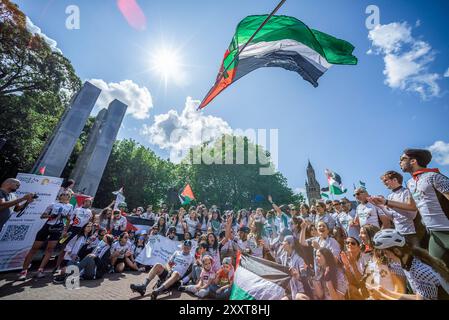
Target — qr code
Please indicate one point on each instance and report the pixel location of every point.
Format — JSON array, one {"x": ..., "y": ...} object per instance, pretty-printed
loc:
[{"x": 15, "y": 233}]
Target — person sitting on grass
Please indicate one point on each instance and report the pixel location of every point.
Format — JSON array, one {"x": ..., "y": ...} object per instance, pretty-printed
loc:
[
  {"x": 201, "y": 289},
  {"x": 176, "y": 267},
  {"x": 222, "y": 285}
]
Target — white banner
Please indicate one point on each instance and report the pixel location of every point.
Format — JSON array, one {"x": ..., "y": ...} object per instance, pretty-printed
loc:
[
  {"x": 159, "y": 249},
  {"x": 18, "y": 234}
]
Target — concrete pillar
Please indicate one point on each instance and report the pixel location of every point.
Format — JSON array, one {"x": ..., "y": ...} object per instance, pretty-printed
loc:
[
  {"x": 60, "y": 146},
  {"x": 82, "y": 161},
  {"x": 97, "y": 159}
]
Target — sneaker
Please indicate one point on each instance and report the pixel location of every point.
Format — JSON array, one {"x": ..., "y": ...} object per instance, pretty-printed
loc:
[
  {"x": 138, "y": 288},
  {"x": 59, "y": 279},
  {"x": 112, "y": 270},
  {"x": 23, "y": 275},
  {"x": 141, "y": 269},
  {"x": 56, "y": 271},
  {"x": 182, "y": 288},
  {"x": 40, "y": 274}
]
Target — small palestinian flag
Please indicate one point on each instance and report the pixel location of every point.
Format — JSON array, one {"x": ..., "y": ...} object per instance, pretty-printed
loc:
[
  {"x": 42, "y": 171},
  {"x": 259, "y": 279},
  {"x": 186, "y": 195},
  {"x": 283, "y": 42},
  {"x": 335, "y": 184},
  {"x": 77, "y": 200}
]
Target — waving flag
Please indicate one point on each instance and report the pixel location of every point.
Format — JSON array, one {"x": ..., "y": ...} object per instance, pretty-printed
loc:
[
  {"x": 335, "y": 185},
  {"x": 259, "y": 279},
  {"x": 77, "y": 200},
  {"x": 186, "y": 195},
  {"x": 119, "y": 198},
  {"x": 283, "y": 42}
]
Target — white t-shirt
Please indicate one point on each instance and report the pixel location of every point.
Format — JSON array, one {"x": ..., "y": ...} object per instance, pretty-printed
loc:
[
  {"x": 80, "y": 217},
  {"x": 403, "y": 220},
  {"x": 344, "y": 220},
  {"x": 181, "y": 262},
  {"x": 179, "y": 227},
  {"x": 122, "y": 248},
  {"x": 433, "y": 216},
  {"x": 60, "y": 210},
  {"x": 119, "y": 224},
  {"x": 191, "y": 225},
  {"x": 368, "y": 214}
]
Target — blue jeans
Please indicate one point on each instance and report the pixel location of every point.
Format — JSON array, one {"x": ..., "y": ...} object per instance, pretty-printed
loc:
[{"x": 223, "y": 295}]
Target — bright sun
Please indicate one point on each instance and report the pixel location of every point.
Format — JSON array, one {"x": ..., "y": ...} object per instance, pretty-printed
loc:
[{"x": 167, "y": 63}]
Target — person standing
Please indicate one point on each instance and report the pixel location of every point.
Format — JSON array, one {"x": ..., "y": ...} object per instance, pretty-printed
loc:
[
  {"x": 368, "y": 213},
  {"x": 430, "y": 190},
  {"x": 9, "y": 203},
  {"x": 403, "y": 220},
  {"x": 346, "y": 219},
  {"x": 50, "y": 233}
]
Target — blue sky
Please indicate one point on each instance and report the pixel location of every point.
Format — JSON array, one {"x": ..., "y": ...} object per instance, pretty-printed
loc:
[{"x": 354, "y": 123}]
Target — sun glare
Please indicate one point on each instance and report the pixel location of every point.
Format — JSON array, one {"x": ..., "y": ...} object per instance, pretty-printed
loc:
[{"x": 166, "y": 63}]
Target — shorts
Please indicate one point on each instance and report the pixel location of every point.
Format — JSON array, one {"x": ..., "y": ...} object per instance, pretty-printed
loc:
[
  {"x": 164, "y": 275},
  {"x": 44, "y": 234},
  {"x": 120, "y": 260}
]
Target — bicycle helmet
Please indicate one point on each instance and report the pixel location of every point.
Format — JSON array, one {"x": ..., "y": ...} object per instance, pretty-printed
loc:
[{"x": 388, "y": 238}]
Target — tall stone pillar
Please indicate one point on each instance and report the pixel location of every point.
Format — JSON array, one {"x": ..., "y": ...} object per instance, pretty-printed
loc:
[
  {"x": 60, "y": 146},
  {"x": 96, "y": 159},
  {"x": 82, "y": 161}
]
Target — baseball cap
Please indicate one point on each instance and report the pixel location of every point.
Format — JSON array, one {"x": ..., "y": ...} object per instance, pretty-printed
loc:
[{"x": 188, "y": 243}]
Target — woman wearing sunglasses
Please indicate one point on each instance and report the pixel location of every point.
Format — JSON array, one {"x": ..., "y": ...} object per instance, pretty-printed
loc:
[
  {"x": 354, "y": 263},
  {"x": 122, "y": 255}
]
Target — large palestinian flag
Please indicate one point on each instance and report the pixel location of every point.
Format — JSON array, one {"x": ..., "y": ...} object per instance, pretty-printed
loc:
[
  {"x": 259, "y": 279},
  {"x": 283, "y": 42}
]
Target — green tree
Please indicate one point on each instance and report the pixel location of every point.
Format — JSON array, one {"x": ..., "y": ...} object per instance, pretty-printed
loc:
[
  {"x": 145, "y": 177},
  {"x": 35, "y": 87},
  {"x": 233, "y": 185}
]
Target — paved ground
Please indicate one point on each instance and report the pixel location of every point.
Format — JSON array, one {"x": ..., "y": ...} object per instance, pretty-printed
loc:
[{"x": 111, "y": 287}]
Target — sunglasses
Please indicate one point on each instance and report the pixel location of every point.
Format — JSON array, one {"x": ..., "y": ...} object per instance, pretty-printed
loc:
[{"x": 352, "y": 243}]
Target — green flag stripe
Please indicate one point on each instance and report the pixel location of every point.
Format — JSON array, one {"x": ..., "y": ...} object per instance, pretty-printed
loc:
[
  {"x": 336, "y": 51},
  {"x": 238, "y": 293}
]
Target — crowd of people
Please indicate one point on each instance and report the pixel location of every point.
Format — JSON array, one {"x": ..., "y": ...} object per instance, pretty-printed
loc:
[{"x": 386, "y": 248}]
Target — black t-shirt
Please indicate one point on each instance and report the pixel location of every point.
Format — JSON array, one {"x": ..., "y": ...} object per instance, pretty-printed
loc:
[{"x": 5, "y": 213}]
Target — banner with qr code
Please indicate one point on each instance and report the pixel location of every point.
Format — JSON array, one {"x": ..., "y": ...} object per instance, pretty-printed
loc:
[{"x": 18, "y": 234}]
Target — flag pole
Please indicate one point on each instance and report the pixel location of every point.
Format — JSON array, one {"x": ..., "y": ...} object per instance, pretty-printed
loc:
[{"x": 220, "y": 76}]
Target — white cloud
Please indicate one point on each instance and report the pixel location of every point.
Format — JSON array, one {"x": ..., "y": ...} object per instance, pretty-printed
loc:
[
  {"x": 180, "y": 132},
  {"x": 446, "y": 74},
  {"x": 137, "y": 98},
  {"x": 418, "y": 23},
  {"x": 31, "y": 27},
  {"x": 440, "y": 152},
  {"x": 406, "y": 59}
]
